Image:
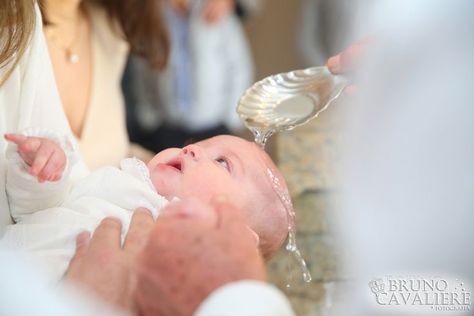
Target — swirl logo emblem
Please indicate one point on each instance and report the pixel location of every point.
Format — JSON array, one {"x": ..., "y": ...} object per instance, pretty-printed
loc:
[{"x": 377, "y": 287}]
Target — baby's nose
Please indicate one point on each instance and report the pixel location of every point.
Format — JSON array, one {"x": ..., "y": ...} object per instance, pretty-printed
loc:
[{"x": 192, "y": 151}]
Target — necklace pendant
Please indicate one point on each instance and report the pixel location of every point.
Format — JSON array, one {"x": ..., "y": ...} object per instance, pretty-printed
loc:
[{"x": 72, "y": 57}]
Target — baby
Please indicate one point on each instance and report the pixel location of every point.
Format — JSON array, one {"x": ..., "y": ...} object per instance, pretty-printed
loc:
[{"x": 50, "y": 211}]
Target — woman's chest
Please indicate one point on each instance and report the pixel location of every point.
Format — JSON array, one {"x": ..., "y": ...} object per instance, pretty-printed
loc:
[{"x": 73, "y": 81}]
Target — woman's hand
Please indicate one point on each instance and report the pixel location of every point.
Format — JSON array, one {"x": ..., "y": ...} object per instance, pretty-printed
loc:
[
  {"x": 347, "y": 60},
  {"x": 46, "y": 159},
  {"x": 213, "y": 10}
]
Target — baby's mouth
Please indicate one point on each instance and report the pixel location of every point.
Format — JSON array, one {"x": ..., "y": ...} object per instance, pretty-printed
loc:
[{"x": 176, "y": 164}]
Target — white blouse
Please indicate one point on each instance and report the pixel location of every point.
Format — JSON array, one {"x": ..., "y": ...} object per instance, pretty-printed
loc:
[{"x": 30, "y": 99}]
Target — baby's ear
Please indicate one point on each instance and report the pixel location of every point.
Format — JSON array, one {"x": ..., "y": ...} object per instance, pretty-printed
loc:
[{"x": 255, "y": 236}]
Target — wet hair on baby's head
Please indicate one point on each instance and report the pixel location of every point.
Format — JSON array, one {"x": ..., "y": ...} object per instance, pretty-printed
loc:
[
  {"x": 268, "y": 205},
  {"x": 274, "y": 207}
]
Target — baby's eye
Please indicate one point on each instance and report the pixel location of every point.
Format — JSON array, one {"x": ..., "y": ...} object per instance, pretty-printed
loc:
[{"x": 223, "y": 162}]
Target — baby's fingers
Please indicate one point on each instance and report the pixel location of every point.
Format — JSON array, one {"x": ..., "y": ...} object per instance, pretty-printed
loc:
[
  {"x": 28, "y": 148},
  {"x": 26, "y": 145},
  {"x": 54, "y": 167},
  {"x": 15, "y": 138},
  {"x": 41, "y": 158}
]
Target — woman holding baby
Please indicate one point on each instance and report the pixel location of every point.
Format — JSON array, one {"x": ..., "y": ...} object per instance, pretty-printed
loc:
[{"x": 59, "y": 79}]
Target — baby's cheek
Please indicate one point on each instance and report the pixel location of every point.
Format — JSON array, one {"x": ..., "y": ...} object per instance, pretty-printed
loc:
[
  {"x": 201, "y": 189},
  {"x": 158, "y": 184}
]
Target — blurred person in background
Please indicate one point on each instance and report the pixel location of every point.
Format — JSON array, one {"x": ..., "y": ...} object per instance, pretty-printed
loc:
[
  {"x": 196, "y": 95},
  {"x": 246, "y": 8},
  {"x": 323, "y": 29}
]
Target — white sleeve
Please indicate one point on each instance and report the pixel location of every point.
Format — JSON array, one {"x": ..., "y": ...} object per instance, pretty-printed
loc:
[
  {"x": 25, "y": 193},
  {"x": 25, "y": 292},
  {"x": 249, "y": 298}
]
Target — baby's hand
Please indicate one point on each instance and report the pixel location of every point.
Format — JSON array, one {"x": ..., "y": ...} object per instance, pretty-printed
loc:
[{"x": 46, "y": 159}]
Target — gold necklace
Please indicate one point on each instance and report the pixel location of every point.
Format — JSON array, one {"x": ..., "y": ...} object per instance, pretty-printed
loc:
[{"x": 71, "y": 54}]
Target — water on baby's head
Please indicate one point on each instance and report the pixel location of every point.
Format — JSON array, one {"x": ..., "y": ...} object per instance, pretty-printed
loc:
[
  {"x": 291, "y": 245},
  {"x": 261, "y": 135}
]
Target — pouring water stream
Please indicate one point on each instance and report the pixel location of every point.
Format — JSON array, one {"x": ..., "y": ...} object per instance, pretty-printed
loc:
[{"x": 282, "y": 102}]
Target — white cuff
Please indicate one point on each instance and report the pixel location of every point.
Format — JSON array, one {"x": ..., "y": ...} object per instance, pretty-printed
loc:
[
  {"x": 25, "y": 193},
  {"x": 67, "y": 144},
  {"x": 245, "y": 298}
]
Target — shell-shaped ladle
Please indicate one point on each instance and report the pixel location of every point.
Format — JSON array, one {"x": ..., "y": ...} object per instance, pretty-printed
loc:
[{"x": 286, "y": 100}]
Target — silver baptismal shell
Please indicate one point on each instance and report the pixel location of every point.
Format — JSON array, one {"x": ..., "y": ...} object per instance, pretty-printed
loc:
[{"x": 286, "y": 100}]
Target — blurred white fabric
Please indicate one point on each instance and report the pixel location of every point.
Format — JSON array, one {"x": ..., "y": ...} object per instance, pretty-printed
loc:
[
  {"x": 24, "y": 292},
  {"x": 408, "y": 202}
]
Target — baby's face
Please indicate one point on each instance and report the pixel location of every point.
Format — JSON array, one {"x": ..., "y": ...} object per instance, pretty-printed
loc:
[
  {"x": 228, "y": 166},
  {"x": 217, "y": 166}
]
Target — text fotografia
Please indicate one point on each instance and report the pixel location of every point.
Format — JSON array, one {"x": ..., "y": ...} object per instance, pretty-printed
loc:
[{"x": 436, "y": 293}]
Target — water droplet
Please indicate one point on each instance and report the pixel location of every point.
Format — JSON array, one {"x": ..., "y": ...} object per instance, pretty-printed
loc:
[
  {"x": 261, "y": 135},
  {"x": 291, "y": 245}
]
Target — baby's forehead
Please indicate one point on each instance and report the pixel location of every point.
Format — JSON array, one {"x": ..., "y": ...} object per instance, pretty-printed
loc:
[
  {"x": 231, "y": 143},
  {"x": 222, "y": 139},
  {"x": 251, "y": 156}
]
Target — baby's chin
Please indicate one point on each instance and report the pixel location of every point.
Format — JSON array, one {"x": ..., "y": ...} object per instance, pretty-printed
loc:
[
  {"x": 167, "y": 194},
  {"x": 162, "y": 188}
]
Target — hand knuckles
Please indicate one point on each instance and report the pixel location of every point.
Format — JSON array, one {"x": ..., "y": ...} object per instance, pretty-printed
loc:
[
  {"x": 134, "y": 239},
  {"x": 105, "y": 258},
  {"x": 142, "y": 221},
  {"x": 110, "y": 223}
]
